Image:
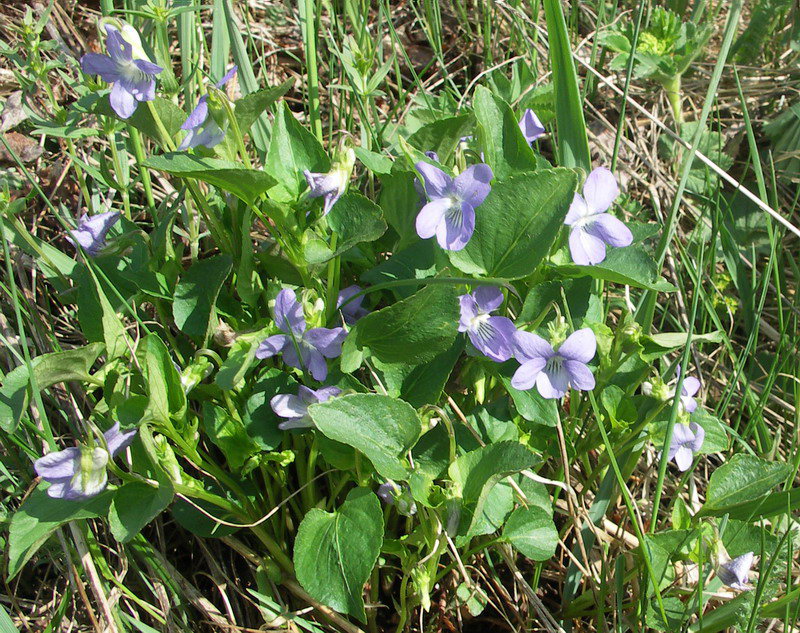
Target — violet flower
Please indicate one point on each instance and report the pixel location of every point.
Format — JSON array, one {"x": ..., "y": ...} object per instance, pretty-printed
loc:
[
  {"x": 132, "y": 80},
  {"x": 79, "y": 472},
  {"x": 735, "y": 573},
  {"x": 418, "y": 184},
  {"x": 691, "y": 386},
  {"x": 333, "y": 184},
  {"x": 554, "y": 371},
  {"x": 493, "y": 336},
  {"x": 593, "y": 228},
  {"x": 352, "y": 310},
  {"x": 530, "y": 126},
  {"x": 201, "y": 125},
  {"x": 394, "y": 495},
  {"x": 90, "y": 234},
  {"x": 301, "y": 348},
  {"x": 295, "y": 408},
  {"x": 687, "y": 439},
  {"x": 450, "y": 214}
]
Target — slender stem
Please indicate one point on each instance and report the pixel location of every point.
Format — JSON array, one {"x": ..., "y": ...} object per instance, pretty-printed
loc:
[{"x": 310, "y": 42}]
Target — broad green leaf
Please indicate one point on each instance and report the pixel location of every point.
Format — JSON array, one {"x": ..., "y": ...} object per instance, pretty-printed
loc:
[
  {"x": 98, "y": 319},
  {"x": 166, "y": 395},
  {"x": 260, "y": 421},
  {"x": 382, "y": 428},
  {"x": 135, "y": 504},
  {"x": 246, "y": 184},
  {"x": 741, "y": 483},
  {"x": 716, "y": 439},
  {"x": 196, "y": 295},
  {"x": 334, "y": 552},
  {"x": 532, "y": 532},
  {"x": 251, "y": 106},
  {"x": 292, "y": 149},
  {"x": 630, "y": 266},
  {"x": 39, "y": 516},
  {"x": 6, "y": 623},
  {"x": 418, "y": 261},
  {"x": 170, "y": 114},
  {"x": 657, "y": 345},
  {"x": 414, "y": 330},
  {"x": 48, "y": 369},
  {"x": 475, "y": 473},
  {"x": 505, "y": 149},
  {"x": 354, "y": 219},
  {"x": 530, "y": 405},
  {"x": 582, "y": 302},
  {"x": 229, "y": 434},
  {"x": 517, "y": 223},
  {"x": 442, "y": 136},
  {"x": 401, "y": 203},
  {"x": 375, "y": 162}
]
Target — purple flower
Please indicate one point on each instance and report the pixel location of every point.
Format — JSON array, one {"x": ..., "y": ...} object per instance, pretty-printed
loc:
[
  {"x": 80, "y": 472},
  {"x": 450, "y": 214},
  {"x": 201, "y": 126},
  {"x": 301, "y": 348},
  {"x": 735, "y": 573},
  {"x": 352, "y": 310},
  {"x": 592, "y": 227},
  {"x": 90, "y": 234},
  {"x": 295, "y": 408},
  {"x": 392, "y": 494},
  {"x": 132, "y": 80},
  {"x": 691, "y": 386},
  {"x": 418, "y": 185},
  {"x": 530, "y": 126},
  {"x": 686, "y": 441},
  {"x": 554, "y": 372},
  {"x": 493, "y": 336}
]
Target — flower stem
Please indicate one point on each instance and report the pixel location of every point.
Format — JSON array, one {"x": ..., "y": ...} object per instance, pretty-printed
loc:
[
  {"x": 310, "y": 43},
  {"x": 673, "y": 89}
]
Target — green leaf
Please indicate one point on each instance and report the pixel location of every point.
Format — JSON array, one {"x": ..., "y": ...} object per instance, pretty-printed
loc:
[
  {"x": 196, "y": 295},
  {"x": 532, "y": 532},
  {"x": 48, "y": 369},
  {"x": 334, "y": 552},
  {"x": 741, "y": 483},
  {"x": 354, "y": 219},
  {"x": 401, "y": 203},
  {"x": 135, "y": 504},
  {"x": 6, "y": 623},
  {"x": 657, "y": 345},
  {"x": 517, "y": 223},
  {"x": 414, "y": 330},
  {"x": 418, "y": 261},
  {"x": 382, "y": 428},
  {"x": 530, "y": 405},
  {"x": 292, "y": 149},
  {"x": 442, "y": 136},
  {"x": 630, "y": 266},
  {"x": 229, "y": 434},
  {"x": 39, "y": 516},
  {"x": 251, "y": 106},
  {"x": 475, "y": 473},
  {"x": 98, "y": 319},
  {"x": 260, "y": 421},
  {"x": 246, "y": 184},
  {"x": 375, "y": 162},
  {"x": 170, "y": 114},
  {"x": 573, "y": 144},
  {"x": 505, "y": 149},
  {"x": 716, "y": 439},
  {"x": 164, "y": 387}
]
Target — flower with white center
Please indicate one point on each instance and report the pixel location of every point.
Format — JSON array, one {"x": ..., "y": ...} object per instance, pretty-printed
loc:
[
  {"x": 591, "y": 227},
  {"x": 687, "y": 439},
  {"x": 493, "y": 336},
  {"x": 554, "y": 371},
  {"x": 132, "y": 79}
]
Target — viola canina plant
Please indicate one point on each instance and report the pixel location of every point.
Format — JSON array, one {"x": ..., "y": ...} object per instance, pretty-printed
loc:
[{"x": 386, "y": 353}]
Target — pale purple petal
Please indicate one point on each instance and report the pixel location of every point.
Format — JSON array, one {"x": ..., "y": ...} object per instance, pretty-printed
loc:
[
  {"x": 437, "y": 183},
  {"x": 316, "y": 364},
  {"x": 352, "y": 310},
  {"x": 122, "y": 101},
  {"x": 472, "y": 186},
  {"x": 586, "y": 249},
  {"x": 273, "y": 345},
  {"x": 530, "y": 126},
  {"x": 581, "y": 345},
  {"x": 531, "y": 346},
  {"x": 288, "y": 406},
  {"x": 289, "y": 312},
  {"x": 494, "y": 337},
  {"x": 118, "y": 440},
  {"x": 455, "y": 232},
  {"x": 488, "y": 298},
  {"x": 198, "y": 116},
  {"x": 609, "y": 229},
  {"x": 431, "y": 216},
  {"x": 59, "y": 465},
  {"x": 469, "y": 310},
  {"x": 433, "y": 156},
  {"x": 699, "y": 436},
  {"x": 228, "y": 76},
  {"x": 326, "y": 393},
  {"x": 387, "y": 492},
  {"x": 580, "y": 376},
  {"x": 327, "y": 340},
  {"x": 553, "y": 384},
  {"x": 91, "y": 231},
  {"x": 116, "y": 45},
  {"x": 736, "y": 572},
  {"x": 683, "y": 458},
  {"x": 577, "y": 210},
  {"x": 525, "y": 376},
  {"x": 103, "y": 65},
  {"x": 600, "y": 190},
  {"x": 691, "y": 386},
  {"x": 689, "y": 404},
  {"x": 147, "y": 67}
]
